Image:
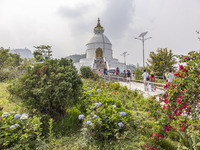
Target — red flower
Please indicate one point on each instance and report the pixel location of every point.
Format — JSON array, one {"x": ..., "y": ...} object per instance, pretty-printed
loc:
[
  {"x": 178, "y": 101},
  {"x": 153, "y": 148},
  {"x": 164, "y": 107},
  {"x": 186, "y": 57},
  {"x": 176, "y": 74},
  {"x": 181, "y": 67},
  {"x": 166, "y": 101}
]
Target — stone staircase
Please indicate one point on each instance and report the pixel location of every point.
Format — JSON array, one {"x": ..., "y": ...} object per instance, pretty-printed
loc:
[{"x": 100, "y": 64}]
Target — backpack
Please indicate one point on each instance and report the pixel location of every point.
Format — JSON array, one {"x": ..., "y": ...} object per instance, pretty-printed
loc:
[{"x": 152, "y": 78}]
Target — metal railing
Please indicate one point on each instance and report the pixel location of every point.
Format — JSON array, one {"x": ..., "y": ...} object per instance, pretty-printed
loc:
[{"x": 117, "y": 78}]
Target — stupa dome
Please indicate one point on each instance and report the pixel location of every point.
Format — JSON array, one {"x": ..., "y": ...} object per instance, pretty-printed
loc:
[{"x": 99, "y": 38}]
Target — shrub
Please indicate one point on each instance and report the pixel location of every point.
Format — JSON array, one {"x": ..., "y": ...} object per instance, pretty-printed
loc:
[
  {"x": 8, "y": 74},
  {"x": 19, "y": 131},
  {"x": 105, "y": 118},
  {"x": 69, "y": 123},
  {"x": 49, "y": 87},
  {"x": 86, "y": 72}
]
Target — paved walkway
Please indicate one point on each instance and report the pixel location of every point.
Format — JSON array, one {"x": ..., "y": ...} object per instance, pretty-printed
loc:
[{"x": 140, "y": 88}]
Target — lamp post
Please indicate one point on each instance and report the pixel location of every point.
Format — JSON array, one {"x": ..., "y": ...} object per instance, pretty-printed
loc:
[
  {"x": 141, "y": 38},
  {"x": 124, "y": 54}
]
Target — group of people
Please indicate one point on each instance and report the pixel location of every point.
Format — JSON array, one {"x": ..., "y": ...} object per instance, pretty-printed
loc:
[
  {"x": 146, "y": 77},
  {"x": 126, "y": 74}
]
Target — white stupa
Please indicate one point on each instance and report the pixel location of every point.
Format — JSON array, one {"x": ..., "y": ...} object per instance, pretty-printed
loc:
[{"x": 99, "y": 53}]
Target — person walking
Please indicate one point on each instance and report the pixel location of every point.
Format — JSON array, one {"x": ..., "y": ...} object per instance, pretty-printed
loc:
[
  {"x": 152, "y": 79},
  {"x": 133, "y": 77},
  {"x": 145, "y": 75},
  {"x": 170, "y": 76},
  {"x": 124, "y": 75},
  {"x": 128, "y": 76}
]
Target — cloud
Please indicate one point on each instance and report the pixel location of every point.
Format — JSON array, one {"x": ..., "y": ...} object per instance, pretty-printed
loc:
[
  {"x": 118, "y": 16},
  {"x": 73, "y": 13}
]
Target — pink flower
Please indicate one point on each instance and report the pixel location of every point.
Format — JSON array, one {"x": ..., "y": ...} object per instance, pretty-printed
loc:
[
  {"x": 186, "y": 57},
  {"x": 178, "y": 101},
  {"x": 153, "y": 148},
  {"x": 176, "y": 74},
  {"x": 166, "y": 101},
  {"x": 166, "y": 86},
  {"x": 173, "y": 86},
  {"x": 181, "y": 67}
]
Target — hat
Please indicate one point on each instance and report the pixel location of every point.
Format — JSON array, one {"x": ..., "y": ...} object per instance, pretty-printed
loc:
[{"x": 152, "y": 72}]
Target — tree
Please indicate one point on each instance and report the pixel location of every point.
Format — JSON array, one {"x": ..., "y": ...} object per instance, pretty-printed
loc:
[
  {"x": 42, "y": 52},
  {"x": 8, "y": 60},
  {"x": 162, "y": 61}
]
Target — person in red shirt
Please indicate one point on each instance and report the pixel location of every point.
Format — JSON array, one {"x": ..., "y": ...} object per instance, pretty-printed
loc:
[{"x": 152, "y": 79}]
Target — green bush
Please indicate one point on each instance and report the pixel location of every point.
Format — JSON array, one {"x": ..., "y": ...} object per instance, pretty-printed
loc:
[
  {"x": 69, "y": 123},
  {"x": 7, "y": 74},
  {"x": 86, "y": 72},
  {"x": 105, "y": 119},
  {"x": 19, "y": 131},
  {"x": 50, "y": 87}
]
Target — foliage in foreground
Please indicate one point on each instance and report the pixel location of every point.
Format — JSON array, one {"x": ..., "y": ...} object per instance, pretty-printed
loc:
[
  {"x": 182, "y": 101},
  {"x": 19, "y": 131},
  {"x": 106, "y": 118},
  {"x": 50, "y": 87}
]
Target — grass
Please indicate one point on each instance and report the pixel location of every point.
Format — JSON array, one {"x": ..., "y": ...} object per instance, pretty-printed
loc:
[
  {"x": 5, "y": 103},
  {"x": 4, "y": 95}
]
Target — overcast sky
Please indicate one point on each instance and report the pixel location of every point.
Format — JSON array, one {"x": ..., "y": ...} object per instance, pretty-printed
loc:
[{"x": 67, "y": 25}]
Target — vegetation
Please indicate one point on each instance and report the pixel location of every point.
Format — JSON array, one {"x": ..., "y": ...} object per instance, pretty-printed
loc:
[
  {"x": 162, "y": 61},
  {"x": 86, "y": 72},
  {"x": 49, "y": 87},
  {"x": 42, "y": 52},
  {"x": 65, "y": 112}
]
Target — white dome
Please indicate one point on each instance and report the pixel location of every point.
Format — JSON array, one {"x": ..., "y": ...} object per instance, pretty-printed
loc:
[{"x": 99, "y": 38}]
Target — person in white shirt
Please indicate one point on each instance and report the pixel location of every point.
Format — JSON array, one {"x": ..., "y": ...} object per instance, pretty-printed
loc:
[
  {"x": 170, "y": 76},
  {"x": 144, "y": 77}
]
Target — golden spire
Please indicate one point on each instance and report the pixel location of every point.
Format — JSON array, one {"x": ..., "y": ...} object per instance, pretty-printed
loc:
[{"x": 98, "y": 27}]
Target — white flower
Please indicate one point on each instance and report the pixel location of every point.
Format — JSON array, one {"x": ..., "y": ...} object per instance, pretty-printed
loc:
[
  {"x": 5, "y": 114},
  {"x": 120, "y": 124},
  {"x": 114, "y": 106},
  {"x": 16, "y": 125},
  {"x": 81, "y": 117},
  {"x": 123, "y": 113},
  {"x": 89, "y": 122},
  {"x": 94, "y": 117},
  {"x": 23, "y": 117},
  {"x": 12, "y": 126},
  {"x": 98, "y": 104},
  {"x": 17, "y": 116}
]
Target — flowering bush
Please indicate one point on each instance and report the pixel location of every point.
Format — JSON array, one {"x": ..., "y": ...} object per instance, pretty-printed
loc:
[
  {"x": 181, "y": 99},
  {"x": 18, "y": 131},
  {"x": 105, "y": 117}
]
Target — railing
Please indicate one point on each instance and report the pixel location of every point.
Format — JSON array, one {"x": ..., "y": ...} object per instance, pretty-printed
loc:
[{"x": 123, "y": 79}]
